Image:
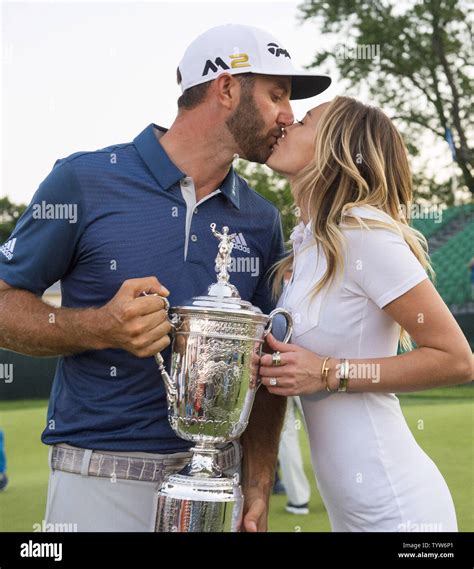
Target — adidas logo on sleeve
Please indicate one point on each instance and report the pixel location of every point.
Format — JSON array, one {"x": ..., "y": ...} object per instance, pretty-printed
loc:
[
  {"x": 240, "y": 243},
  {"x": 8, "y": 248}
]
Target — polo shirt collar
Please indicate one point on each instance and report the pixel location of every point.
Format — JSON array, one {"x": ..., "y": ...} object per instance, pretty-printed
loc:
[
  {"x": 230, "y": 187},
  {"x": 165, "y": 171},
  {"x": 153, "y": 154}
]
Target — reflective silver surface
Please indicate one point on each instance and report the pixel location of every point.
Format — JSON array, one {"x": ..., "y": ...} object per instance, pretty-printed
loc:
[
  {"x": 214, "y": 375},
  {"x": 217, "y": 343},
  {"x": 189, "y": 504}
]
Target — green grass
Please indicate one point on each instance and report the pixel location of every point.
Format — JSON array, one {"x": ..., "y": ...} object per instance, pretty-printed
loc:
[
  {"x": 441, "y": 421},
  {"x": 23, "y": 502}
]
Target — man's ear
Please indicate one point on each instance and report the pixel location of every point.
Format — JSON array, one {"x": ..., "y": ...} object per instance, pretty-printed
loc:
[{"x": 227, "y": 90}]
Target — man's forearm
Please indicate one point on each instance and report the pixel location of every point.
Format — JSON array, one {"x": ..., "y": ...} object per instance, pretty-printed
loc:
[
  {"x": 261, "y": 439},
  {"x": 30, "y": 326}
]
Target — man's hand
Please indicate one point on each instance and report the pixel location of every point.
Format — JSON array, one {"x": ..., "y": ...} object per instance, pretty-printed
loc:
[
  {"x": 138, "y": 324},
  {"x": 260, "y": 442},
  {"x": 255, "y": 510},
  {"x": 130, "y": 322}
]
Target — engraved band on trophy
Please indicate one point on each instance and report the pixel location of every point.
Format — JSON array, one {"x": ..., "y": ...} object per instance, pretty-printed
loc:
[{"x": 217, "y": 342}]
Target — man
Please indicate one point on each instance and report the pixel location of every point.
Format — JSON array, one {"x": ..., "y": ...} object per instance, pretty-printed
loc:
[{"x": 138, "y": 219}]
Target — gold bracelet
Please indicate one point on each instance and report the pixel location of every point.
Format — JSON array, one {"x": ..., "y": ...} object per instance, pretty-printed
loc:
[
  {"x": 343, "y": 375},
  {"x": 324, "y": 374}
]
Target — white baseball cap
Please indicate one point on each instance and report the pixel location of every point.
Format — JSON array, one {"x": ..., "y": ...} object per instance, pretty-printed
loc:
[{"x": 234, "y": 48}]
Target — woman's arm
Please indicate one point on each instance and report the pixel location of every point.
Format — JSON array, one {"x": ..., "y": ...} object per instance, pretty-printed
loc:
[{"x": 442, "y": 356}]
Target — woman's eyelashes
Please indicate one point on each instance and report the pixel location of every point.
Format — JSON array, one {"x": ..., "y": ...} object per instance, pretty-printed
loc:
[{"x": 300, "y": 122}]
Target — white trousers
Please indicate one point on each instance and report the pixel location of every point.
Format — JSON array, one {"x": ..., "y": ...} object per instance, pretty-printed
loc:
[
  {"x": 291, "y": 462},
  {"x": 82, "y": 503}
]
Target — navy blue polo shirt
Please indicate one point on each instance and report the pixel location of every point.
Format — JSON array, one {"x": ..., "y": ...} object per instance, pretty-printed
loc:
[{"x": 123, "y": 212}]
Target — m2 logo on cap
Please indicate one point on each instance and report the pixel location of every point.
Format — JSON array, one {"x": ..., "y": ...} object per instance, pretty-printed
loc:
[
  {"x": 276, "y": 50},
  {"x": 237, "y": 60}
]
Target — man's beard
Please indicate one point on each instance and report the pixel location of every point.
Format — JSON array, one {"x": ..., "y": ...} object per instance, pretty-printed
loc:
[{"x": 246, "y": 126}]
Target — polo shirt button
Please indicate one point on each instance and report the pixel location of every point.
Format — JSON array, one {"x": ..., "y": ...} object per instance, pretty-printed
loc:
[
  {"x": 194, "y": 238},
  {"x": 195, "y": 210}
]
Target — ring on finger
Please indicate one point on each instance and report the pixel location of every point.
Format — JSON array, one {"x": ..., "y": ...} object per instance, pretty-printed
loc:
[
  {"x": 273, "y": 381},
  {"x": 165, "y": 300},
  {"x": 276, "y": 359}
]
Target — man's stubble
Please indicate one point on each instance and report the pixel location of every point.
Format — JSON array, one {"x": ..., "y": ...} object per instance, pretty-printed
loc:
[{"x": 247, "y": 126}]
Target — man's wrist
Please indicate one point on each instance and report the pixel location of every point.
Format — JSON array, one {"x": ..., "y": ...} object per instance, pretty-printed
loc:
[
  {"x": 86, "y": 328},
  {"x": 97, "y": 320},
  {"x": 262, "y": 488},
  {"x": 261, "y": 478},
  {"x": 262, "y": 483}
]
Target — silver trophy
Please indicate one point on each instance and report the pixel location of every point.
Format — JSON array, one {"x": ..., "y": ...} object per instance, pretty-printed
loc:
[{"x": 217, "y": 343}]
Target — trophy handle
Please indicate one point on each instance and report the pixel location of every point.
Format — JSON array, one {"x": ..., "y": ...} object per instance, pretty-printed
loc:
[
  {"x": 170, "y": 388},
  {"x": 289, "y": 323},
  {"x": 174, "y": 321}
]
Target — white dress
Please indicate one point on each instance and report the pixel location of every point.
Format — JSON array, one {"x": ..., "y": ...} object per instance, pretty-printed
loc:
[{"x": 370, "y": 471}]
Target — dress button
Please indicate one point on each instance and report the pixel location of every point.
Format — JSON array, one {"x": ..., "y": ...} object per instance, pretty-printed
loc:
[{"x": 194, "y": 238}]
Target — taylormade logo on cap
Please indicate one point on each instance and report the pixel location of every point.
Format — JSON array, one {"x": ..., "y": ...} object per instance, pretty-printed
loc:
[{"x": 234, "y": 49}]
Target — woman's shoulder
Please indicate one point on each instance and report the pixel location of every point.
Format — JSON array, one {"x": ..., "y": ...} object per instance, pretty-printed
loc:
[
  {"x": 367, "y": 223},
  {"x": 365, "y": 212},
  {"x": 373, "y": 235}
]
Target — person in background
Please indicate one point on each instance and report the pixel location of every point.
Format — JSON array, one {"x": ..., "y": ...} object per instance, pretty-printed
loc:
[
  {"x": 278, "y": 486},
  {"x": 291, "y": 462},
  {"x": 293, "y": 481},
  {"x": 3, "y": 463}
]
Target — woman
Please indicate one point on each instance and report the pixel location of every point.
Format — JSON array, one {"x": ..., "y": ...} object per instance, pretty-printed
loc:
[{"x": 359, "y": 286}]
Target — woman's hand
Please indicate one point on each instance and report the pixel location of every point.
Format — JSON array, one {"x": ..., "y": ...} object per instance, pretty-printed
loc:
[{"x": 298, "y": 374}]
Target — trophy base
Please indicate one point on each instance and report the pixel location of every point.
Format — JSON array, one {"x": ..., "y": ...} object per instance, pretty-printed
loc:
[{"x": 194, "y": 504}]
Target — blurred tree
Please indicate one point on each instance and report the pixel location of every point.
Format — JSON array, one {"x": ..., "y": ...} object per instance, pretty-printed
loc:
[
  {"x": 10, "y": 213},
  {"x": 274, "y": 188},
  {"x": 414, "y": 58}
]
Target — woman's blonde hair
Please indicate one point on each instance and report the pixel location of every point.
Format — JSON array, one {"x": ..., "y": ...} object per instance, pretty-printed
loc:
[{"x": 359, "y": 160}]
